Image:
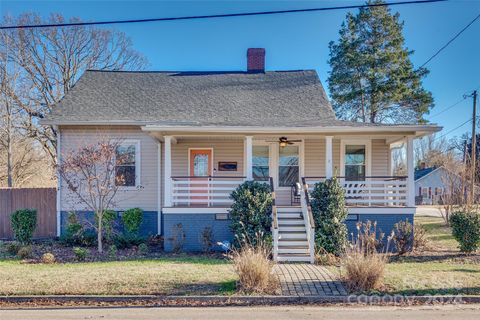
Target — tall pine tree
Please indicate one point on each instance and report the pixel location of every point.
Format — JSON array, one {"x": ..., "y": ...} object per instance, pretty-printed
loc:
[{"x": 372, "y": 78}]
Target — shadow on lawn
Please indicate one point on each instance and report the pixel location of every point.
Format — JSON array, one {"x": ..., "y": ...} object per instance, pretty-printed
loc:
[
  {"x": 228, "y": 287},
  {"x": 432, "y": 257}
]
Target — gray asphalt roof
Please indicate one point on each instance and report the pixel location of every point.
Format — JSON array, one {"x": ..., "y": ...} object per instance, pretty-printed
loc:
[{"x": 277, "y": 98}]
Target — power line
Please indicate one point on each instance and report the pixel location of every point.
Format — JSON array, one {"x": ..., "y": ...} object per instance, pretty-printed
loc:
[
  {"x": 450, "y": 131},
  {"x": 450, "y": 41},
  {"x": 448, "y": 108},
  {"x": 227, "y": 15}
]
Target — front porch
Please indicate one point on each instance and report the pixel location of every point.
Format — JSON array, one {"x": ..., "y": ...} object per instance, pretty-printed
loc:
[{"x": 200, "y": 172}]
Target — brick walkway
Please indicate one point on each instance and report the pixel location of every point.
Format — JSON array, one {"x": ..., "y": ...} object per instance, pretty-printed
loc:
[{"x": 308, "y": 280}]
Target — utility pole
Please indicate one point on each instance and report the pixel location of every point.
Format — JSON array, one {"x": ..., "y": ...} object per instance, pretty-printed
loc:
[{"x": 474, "y": 148}]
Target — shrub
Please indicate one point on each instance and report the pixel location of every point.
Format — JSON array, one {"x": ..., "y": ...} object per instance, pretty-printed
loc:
[
  {"x": 24, "y": 252},
  {"x": 24, "y": 222},
  {"x": 371, "y": 240},
  {"x": 466, "y": 230},
  {"x": 80, "y": 253},
  {"x": 420, "y": 240},
  {"x": 112, "y": 252},
  {"x": 48, "y": 258},
  {"x": 127, "y": 241},
  {"x": 403, "y": 236},
  {"x": 206, "y": 238},
  {"x": 143, "y": 248},
  {"x": 364, "y": 265},
  {"x": 132, "y": 219},
  {"x": 178, "y": 238},
  {"x": 76, "y": 235},
  {"x": 255, "y": 269},
  {"x": 329, "y": 213},
  {"x": 12, "y": 248},
  {"x": 251, "y": 212}
]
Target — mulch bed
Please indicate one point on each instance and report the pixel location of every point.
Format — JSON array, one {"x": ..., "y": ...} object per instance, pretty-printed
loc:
[{"x": 65, "y": 254}]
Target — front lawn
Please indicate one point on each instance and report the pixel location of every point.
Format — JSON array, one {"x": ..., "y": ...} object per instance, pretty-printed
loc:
[
  {"x": 440, "y": 269},
  {"x": 188, "y": 275}
]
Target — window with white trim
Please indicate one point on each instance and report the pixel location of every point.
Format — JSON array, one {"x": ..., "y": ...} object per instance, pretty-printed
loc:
[
  {"x": 355, "y": 162},
  {"x": 127, "y": 164}
]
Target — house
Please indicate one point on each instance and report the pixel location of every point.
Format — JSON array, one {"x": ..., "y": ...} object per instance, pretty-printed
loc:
[
  {"x": 429, "y": 185},
  {"x": 434, "y": 182},
  {"x": 194, "y": 136}
]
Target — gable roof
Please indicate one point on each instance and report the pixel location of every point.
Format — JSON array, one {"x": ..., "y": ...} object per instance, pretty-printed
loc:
[
  {"x": 420, "y": 173},
  {"x": 277, "y": 98}
]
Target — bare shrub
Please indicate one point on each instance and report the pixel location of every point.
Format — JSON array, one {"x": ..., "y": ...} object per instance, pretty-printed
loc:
[
  {"x": 420, "y": 240},
  {"x": 363, "y": 262},
  {"x": 207, "y": 239},
  {"x": 324, "y": 258},
  {"x": 403, "y": 237},
  {"x": 254, "y": 268},
  {"x": 178, "y": 238}
]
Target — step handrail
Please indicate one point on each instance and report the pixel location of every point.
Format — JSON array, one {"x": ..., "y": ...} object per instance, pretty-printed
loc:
[
  {"x": 308, "y": 218},
  {"x": 274, "y": 221}
]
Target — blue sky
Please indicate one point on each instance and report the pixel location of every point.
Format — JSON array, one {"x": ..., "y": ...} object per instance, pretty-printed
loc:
[{"x": 292, "y": 41}]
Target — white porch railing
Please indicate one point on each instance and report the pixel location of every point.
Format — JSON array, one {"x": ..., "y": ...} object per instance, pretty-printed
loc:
[
  {"x": 206, "y": 191},
  {"x": 373, "y": 191},
  {"x": 308, "y": 219}
]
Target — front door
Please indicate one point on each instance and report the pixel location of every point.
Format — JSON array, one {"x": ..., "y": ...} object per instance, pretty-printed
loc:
[{"x": 201, "y": 164}]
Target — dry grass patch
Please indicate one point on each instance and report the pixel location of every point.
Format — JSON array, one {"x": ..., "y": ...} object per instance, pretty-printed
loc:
[
  {"x": 255, "y": 270},
  {"x": 167, "y": 276}
]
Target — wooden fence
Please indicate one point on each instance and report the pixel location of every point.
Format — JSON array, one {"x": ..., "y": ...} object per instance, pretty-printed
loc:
[{"x": 42, "y": 199}]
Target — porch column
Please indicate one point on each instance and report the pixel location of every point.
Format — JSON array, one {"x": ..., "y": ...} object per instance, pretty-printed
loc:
[
  {"x": 249, "y": 157},
  {"x": 328, "y": 157},
  {"x": 167, "y": 178},
  {"x": 410, "y": 173}
]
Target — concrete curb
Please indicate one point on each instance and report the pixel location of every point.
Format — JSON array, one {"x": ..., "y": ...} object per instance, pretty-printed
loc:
[{"x": 217, "y": 301}]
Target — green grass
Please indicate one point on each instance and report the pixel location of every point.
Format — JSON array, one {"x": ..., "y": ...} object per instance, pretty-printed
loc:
[
  {"x": 442, "y": 269},
  {"x": 439, "y": 235},
  {"x": 165, "y": 276}
]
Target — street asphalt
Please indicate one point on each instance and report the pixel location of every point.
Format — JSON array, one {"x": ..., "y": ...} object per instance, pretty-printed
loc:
[{"x": 450, "y": 312}]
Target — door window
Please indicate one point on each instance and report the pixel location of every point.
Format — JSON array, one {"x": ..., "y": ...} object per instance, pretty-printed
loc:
[
  {"x": 261, "y": 169},
  {"x": 288, "y": 166}
]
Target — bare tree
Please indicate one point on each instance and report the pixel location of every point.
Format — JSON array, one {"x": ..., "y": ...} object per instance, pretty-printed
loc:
[
  {"x": 89, "y": 174},
  {"x": 52, "y": 59},
  {"x": 431, "y": 150}
]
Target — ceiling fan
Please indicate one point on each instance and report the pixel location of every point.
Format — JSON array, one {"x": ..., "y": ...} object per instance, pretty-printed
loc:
[{"x": 283, "y": 141}]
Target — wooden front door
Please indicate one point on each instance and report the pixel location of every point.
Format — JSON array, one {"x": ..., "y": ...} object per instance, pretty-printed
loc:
[{"x": 201, "y": 164}]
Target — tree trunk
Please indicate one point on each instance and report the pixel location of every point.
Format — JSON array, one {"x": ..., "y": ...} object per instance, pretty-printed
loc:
[{"x": 100, "y": 232}]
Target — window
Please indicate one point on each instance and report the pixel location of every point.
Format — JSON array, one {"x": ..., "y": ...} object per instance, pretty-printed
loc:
[
  {"x": 126, "y": 164},
  {"x": 261, "y": 170},
  {"x": 355, "y": 162},
  {"x": 288, "y": 166}
]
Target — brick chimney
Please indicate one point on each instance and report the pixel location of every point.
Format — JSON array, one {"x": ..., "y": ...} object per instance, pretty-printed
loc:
[{"x": 256, "y": 60}]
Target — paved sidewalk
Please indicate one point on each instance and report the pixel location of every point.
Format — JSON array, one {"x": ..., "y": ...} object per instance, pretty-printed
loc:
[{"x": 300, "y": 279}]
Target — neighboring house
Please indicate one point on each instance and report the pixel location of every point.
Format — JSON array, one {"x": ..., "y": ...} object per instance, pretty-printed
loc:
[
  {"x": 194, "y": 136},
  {"x": 430, "y": 185}
]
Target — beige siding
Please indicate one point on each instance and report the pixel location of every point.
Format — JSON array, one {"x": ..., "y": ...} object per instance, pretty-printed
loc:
[
  {"x": 380, "y": 158},
  {"x": 145, "y": 197},
  {"x": 336, "y": 157},
  {"x": 314, "y": 157},
  {"x": 223, "y": 150}
]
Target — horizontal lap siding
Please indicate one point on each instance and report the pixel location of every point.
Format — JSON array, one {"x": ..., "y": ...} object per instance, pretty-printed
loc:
[
  {"x": 380, "y": 158},
  {"x": 223, "y": 150},
  {"x": 314, "y": 157},
  {"x": 145, "y": 197}
]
